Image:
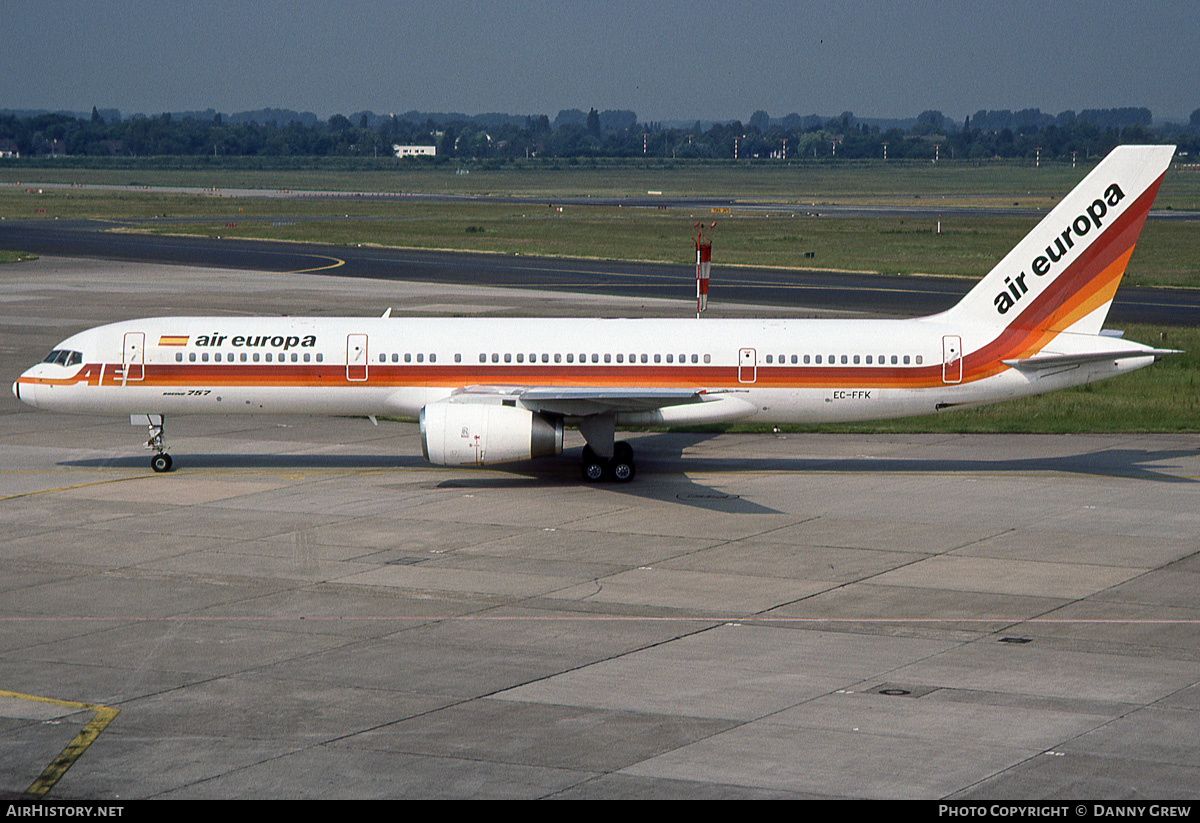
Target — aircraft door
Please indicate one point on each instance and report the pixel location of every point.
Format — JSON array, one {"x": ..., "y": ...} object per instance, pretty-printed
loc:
[
  {"x": 952, "y": 364},
  {"x": 356, "y": 357},
  {"x": 747, "y": 366},
  {"x": 133, "y": 357}
]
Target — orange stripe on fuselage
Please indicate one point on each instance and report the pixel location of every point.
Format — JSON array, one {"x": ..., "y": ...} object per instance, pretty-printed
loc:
[{"x": 387, "y": 376}]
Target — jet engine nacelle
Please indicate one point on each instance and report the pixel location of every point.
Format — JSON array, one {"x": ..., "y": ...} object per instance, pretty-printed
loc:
[{"x": 475, "y": 434}]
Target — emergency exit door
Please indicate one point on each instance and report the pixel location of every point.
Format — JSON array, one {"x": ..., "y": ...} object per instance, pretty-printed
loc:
[
  {"x": 952, "y": 365},
  {"x": 747, "y": 366},
  {"x": 356, "y": 357}
]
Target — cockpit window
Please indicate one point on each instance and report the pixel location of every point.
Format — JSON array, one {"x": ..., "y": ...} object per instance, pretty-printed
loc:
[{"x": 64, "y": 357}]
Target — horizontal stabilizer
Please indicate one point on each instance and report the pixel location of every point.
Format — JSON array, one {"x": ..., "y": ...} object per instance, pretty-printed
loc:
[{"x": 1054, "y": 361}]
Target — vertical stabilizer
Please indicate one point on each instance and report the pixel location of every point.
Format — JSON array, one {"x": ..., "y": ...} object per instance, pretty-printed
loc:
[{"x": 1063, "y": 275}]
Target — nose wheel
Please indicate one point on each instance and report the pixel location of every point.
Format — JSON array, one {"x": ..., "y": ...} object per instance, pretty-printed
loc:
[
  {"x": 161, "y": 462},
  {"x": 619, "y": 468}
]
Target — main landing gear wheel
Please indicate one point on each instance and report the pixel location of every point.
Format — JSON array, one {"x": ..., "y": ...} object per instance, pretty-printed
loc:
[
  {"x": 619, "y": 468},
  {"x": 161, "y": 463},
  {"x": 594, "y": 466}
]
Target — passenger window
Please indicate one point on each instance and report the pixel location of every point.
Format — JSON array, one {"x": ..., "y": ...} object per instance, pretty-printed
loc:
[
  {"x": 920, "y": 359},
  {"x": 178, "y": 357},
  {"x": 570, "y": 358},
  {"x": 320, "y": 357},
  {"x": 595, "y": 358},
  {"x": 906, "y": 359},
  {"x": 269, "y": 356},
  {"x": 255, "y": 355},
  {"x": 769, "y": 359},
  {"x": 421, "y": 358},
  {"x": 818, "y": 359},
  {"x": 558, "y": 357},
  {"x": 192, "y": 357},
  {"x": 806, "y": 359},
  {"x": 895, "y": 359},
  {"x": 204, "y": 357},
  {"x": 408, "y": 357},
  {"x": 307, "y": 356},
  {"x": 507, "y": 357},
  {"x": 856, "y": 359},
  {"x": 868, "y": 359},
  {"x": 295, "y": 357},
  {"x": 658, "y": 358},
  {"x": 844, "y": 359},
  {"x": 670, "y": 358},
  {"x": 620, "y": 358}
]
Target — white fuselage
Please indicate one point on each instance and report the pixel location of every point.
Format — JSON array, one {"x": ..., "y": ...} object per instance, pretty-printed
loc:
[{"x": 784, "y": 371}]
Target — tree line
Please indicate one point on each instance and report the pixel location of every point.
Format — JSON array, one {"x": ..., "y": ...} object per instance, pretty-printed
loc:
[{"x": 610, "y": 134}]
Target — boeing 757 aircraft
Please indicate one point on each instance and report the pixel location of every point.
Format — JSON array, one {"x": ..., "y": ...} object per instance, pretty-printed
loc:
[{"x": 498, "y": 390}]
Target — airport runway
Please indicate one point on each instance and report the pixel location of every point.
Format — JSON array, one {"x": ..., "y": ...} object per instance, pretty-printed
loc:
[
  {"x": 783, "y": 290},
  {"x": 307, "y": 609}
]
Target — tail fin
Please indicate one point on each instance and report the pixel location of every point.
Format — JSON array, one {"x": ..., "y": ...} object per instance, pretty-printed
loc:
[{"x": 1063, "y": 275}]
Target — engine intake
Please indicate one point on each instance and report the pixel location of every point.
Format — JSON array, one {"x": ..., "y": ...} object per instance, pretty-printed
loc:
[{"x": 476, "y": 434}]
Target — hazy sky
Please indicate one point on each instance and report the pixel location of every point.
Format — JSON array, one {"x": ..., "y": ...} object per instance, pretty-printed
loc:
[{"x": 664, "y": 60}]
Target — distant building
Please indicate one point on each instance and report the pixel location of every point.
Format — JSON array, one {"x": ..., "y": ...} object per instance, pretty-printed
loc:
[
  {"x": 9, "y": 149},
  {"x": 414, "y": 151}
]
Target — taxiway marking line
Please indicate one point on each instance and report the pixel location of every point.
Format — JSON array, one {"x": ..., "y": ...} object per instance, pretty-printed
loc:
[{"x": 75, "y": 749}]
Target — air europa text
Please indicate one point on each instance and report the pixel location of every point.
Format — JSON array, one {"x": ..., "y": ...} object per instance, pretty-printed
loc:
[
  {"x": 1093, "y": 217},
  {"x": 259, "y": 341}
]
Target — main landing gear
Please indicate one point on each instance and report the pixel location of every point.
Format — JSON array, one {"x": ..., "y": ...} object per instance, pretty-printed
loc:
[
  {"x": 620, "y": 467},
  {"x": 161, "y": 461}
]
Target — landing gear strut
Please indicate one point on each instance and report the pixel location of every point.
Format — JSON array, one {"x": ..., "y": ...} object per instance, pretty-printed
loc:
[
  {"x": 620, "y": 467},
  {"x": 161, "y": 461}
]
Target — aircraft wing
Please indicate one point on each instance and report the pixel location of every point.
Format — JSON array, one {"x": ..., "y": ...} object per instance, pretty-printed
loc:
[
  {"x": 1058, "y": 361},
  {"x": 583, "y": 401}
]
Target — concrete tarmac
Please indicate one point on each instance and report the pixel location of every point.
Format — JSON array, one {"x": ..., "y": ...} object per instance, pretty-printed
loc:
[{"x": 305, "y": 608}]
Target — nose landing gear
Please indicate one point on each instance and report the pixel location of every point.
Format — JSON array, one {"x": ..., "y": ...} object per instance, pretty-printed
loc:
[{"x": 161, "y": 461}]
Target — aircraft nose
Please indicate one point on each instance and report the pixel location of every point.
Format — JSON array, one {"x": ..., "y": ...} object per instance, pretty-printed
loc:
[{"x": 25, "y": 393}]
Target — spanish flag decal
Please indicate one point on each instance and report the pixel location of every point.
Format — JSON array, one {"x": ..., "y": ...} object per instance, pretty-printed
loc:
[{"x": 173, "y": 340}]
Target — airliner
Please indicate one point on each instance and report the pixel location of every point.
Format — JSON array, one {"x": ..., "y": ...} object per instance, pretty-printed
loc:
[{"x": 497, "y": 390}]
